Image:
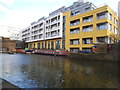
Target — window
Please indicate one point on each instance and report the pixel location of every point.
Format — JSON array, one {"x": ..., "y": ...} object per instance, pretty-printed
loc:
[
  {"x": 58, "y": 44},
  {"x": 35, "y": 26},
  {"x": 35, "y": 37},
  {"x": 48, "y": 45},
  {"x": 102, "y": 15},
  {"x": 75, "y": 22},
  {"x": 110, "y": 16},
  {"x": 77, "y": 12},
  {"x": 64, "y": 22},
  {"x": 30, "y": 46},
  {"x": 102, "y": 39},
  {"x": 38, "y": 45},
  {"x": 110, "y": 40},
  {"x": 74, "y": 42},
  {"x": 110, "y": 27},
  {"x": 87, "y": 9},
  {"x": 35, "y": 32},
  {"x": 72, "y": 14},
  {"x": 54, "y": 33},
  {"x": 87, "y": 28},
  {"x": 87, "y": 40},
  {"x": 40, "y": 36},
  {"x": 78, "y": 5},
  {"x": 116, "y": 31},
  {"x": 42, "y": 45},
  {"x": 40, "y": 30},
  {"x": 52, "y": 45},
  {"x": 34, "y": 45},
  {"x": 101, "y": 26},
  {"x": 74, "y": 49},
  {"x": 88, "y": 19},
  {"x": 116, "y": 21},
  {"x": 75, "y": 30}
]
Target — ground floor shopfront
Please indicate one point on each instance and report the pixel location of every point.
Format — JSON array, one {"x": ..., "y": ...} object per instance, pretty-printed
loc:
[{"x": 45, "y": 44}]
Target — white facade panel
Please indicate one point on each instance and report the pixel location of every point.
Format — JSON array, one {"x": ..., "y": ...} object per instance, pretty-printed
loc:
[{"x": 53, "y": 26}]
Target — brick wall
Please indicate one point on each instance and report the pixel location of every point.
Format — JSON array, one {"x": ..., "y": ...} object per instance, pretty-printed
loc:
[{"x": 7, "y": 45}]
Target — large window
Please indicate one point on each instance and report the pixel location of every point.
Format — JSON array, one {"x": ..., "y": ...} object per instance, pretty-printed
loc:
[
  {"x": 102, "y": 15},
  {"x": 74, "y": 49},
  {"x": 101, "y": 26},
  {"x": 40, "y": 36},
  {"x": 74, "y": 41},
  {"x": 87, "y": 28},
  {"x": 30, "y": 46},
  {"x": 58, "y": 44},
  {"x": 52, "y": 45},
  {"x": 42, "y": 45},
  {"x": 54, "y": 33},
  {"x": 88, "y": 19},
  {"x": 38, "y": 45},
  {"x": 110, "y": 16},
  {"x": 116, "y": 21},
  {"x": 35, "y": 37},
  {"x": 87, "y": 40},
  {"x": 48, "y": 45},
  {"x": 116, "y": 31},
  {"x": 75, "y": 30},
  {"x": 87, "y": 9},
  {"x": 102, "y": 39},
  {"x": 75, "y": 22},
  {"x": 110, "y": 27}
]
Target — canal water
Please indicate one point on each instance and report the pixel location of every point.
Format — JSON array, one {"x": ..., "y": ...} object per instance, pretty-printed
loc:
[{"x": 42, "y": 71}]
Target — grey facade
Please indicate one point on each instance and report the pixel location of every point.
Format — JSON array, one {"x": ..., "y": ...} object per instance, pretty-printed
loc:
[{"x": 79, "y": 7}]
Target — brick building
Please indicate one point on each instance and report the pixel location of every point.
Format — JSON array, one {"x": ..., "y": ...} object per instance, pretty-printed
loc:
[{"x": 7, "y": 45}]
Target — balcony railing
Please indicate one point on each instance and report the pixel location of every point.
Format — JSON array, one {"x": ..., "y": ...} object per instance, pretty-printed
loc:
[
  {"x": 87, "y": 20},
  {"x": 76, "y": 23}
]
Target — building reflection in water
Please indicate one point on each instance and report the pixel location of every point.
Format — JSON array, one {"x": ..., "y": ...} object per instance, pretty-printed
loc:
[{"x": 29, "y": 71}]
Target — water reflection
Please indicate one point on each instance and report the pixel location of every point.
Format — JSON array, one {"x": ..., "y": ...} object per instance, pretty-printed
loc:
[{"x": 39, "y": 71}]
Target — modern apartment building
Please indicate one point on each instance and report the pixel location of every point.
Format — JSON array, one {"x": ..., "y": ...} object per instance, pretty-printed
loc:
[
  {"x": 53, "y": 29},
  {"x": 94, "y": 26},
  {"x": 72, "y": 28},
  {"x": 37, "y": 34}
]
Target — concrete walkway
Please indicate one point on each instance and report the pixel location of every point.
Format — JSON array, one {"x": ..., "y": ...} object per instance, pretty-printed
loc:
[{"x": 5, "y": 84}]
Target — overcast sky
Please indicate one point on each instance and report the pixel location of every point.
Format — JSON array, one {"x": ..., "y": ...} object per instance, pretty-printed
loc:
[{"x": 20, "y": 13}]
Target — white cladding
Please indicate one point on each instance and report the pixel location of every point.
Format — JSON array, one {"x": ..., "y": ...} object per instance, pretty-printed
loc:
[
  {"x": 49, "y": 28},
  {"x": 52, "y": 26},
  {"x": 37, "y": 31}
]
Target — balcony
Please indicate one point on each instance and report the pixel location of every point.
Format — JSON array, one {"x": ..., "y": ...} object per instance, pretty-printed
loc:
[
  {"x": 87, "y": 40},
  {"x": 75, "y": 22},
  {"x": 87, "y": 28},
  {"x": 87, "y": 19},
  {"x": 53, "y": 22},
  {"x": 102, "y": 15},
  {"x": 74, "y": 42},
  {"x": 102, "y": 26},
  {"x": 102, "y": 39},
  {"x": 74, "y": 31}
]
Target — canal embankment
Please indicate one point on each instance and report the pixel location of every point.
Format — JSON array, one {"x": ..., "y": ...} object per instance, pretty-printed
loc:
[
  {"x": 93, "y": 56},
  {"x": 6, "y": 84},
  {"x": 113, "y": 55}
]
